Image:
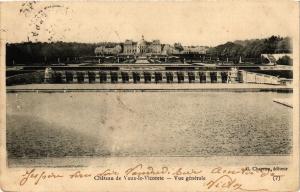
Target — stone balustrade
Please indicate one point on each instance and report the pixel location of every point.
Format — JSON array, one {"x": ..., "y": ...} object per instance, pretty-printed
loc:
[
  {"x": 140, "y": 77},
  {"x": 250, "y": 77}
]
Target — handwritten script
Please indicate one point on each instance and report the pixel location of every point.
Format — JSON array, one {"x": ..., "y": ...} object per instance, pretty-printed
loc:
[{"x": 216, "y": 178}]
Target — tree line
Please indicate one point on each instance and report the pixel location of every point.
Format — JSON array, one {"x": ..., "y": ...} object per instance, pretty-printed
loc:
[
  {"x": 48, "y": 53},
  {"x": 251, "y": 49},
  {"x": 55, "y": 52}
]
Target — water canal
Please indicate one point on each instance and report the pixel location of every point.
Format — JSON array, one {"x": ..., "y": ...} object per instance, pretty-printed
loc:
[{"x": 147, "y": 124}]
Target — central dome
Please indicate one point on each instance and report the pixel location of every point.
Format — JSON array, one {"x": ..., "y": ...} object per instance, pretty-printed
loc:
[{"x": 142, "y": 41}]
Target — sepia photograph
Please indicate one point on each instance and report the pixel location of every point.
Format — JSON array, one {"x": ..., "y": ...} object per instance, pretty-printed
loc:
[{"x": 195, "y": 83}]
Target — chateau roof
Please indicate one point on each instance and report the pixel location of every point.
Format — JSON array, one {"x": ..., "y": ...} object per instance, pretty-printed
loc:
[
  {"x": 142, "y": 41},
  {"x": 156, "y": 41},
  {"x": 129, "y": 42}
]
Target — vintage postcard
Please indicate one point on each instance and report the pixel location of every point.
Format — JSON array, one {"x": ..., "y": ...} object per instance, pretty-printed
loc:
[{"x": 149, "y": 95}]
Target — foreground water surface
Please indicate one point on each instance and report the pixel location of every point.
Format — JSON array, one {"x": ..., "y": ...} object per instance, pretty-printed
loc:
[{"x": 147, "y": 124}]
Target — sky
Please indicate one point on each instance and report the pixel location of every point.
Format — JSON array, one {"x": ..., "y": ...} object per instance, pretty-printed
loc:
[{"x": 206, "y": 23}]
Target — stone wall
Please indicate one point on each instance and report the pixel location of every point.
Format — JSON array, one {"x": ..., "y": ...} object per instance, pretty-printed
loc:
[
  {"x": 26, "y": 78},
  {"x": 250, "y": 77}
]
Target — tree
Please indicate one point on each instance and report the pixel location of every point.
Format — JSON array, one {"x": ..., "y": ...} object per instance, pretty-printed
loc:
[{"x": 285, "y": 60}]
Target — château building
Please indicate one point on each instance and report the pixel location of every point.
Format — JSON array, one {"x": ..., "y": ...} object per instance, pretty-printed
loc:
[
  {"x": 144, "y": 47},
  {"x": 129, "y": 47}
]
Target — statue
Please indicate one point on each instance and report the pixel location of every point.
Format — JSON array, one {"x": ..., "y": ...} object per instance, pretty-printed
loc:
[
  {"x": 232, "y": 75},
  {"x": 48, "y": 75}
]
